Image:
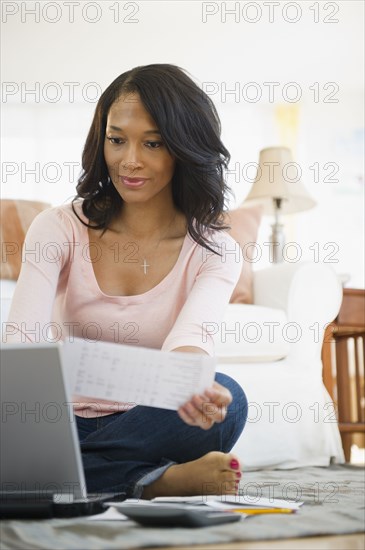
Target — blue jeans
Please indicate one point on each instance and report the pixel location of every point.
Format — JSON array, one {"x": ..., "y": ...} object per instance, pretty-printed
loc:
[{"x": 126, "y": 451}]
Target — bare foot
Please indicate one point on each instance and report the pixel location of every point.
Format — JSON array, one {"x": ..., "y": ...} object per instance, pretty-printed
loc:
[{"x": 215, "y": 473}]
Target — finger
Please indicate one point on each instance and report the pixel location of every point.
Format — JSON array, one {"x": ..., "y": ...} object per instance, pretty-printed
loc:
[
  {"x": 194, "y": 411},
  {"x": 221, "y": 397},
  {"x": 202, "y": 411},
  {"x": 198, "y": 399},
  {"x": 184, "y": 415},
  {"x": 206, "y": 412},
  {"x": 224, "y": 394},
  {"x": 200, "y": 402},
  {"x": 215, "y": 413},
  {"x": 210, "y": 410},
  {"x": 223, "y": 390},
  {"x": 193, "y": 417}
]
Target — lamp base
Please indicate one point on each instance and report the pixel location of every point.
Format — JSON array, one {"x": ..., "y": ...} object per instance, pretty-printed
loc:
[{"x": 277, "y": 243}]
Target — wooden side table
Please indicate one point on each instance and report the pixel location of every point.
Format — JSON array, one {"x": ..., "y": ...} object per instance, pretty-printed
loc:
[{"x": 343, "y": 365}]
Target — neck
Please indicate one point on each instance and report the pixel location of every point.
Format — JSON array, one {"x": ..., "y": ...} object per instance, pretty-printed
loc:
[{"x": 143, "y": 221}]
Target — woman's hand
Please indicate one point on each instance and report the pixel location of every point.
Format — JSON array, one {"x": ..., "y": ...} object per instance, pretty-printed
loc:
[{"x": 204, "y": 410}]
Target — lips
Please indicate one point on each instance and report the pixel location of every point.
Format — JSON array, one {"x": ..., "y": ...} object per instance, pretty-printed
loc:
[{"x": 133, "y": 182}]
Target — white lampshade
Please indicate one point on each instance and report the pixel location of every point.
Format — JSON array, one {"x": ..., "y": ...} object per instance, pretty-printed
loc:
[{"x": 278, "y": 177}]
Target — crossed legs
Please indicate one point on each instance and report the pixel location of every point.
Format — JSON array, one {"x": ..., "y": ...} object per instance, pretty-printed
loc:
[{"x": 150, "y": 452}]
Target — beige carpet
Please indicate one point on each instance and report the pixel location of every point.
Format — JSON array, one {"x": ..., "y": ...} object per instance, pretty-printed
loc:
[{"x": 334, "y": 503}]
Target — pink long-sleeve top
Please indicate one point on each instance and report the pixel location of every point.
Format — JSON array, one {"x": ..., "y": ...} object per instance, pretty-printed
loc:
[{"x": 57, "y": 295}]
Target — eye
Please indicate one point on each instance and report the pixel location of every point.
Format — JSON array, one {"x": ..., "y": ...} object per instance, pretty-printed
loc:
[
  {"x": 115, "y": 141},
  {"x": 154, "y": 144}
]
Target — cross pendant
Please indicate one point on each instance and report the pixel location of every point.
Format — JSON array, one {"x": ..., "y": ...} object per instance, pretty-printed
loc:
[{"x": 145, "y": 265}]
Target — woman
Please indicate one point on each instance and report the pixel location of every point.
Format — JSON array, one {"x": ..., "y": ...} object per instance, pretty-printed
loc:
[{"x": 141, "y": 255}]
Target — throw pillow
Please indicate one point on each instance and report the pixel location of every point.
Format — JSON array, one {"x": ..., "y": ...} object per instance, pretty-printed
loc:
[
  {"x": 16, "y": 217},
  {"x": 245, "y": 222}
]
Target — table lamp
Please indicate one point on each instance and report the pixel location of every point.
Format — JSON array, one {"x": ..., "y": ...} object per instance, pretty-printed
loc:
[{"x": 277, "y": 187}]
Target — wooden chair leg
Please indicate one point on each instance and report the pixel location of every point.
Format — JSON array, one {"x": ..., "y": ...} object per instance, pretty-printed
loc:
[
  {"x": 346, "y": 439},
  {"x": 343, "y": 392}
]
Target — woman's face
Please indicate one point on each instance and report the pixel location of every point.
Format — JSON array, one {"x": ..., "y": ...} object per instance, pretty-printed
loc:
[{"x": 138, "y": 162}]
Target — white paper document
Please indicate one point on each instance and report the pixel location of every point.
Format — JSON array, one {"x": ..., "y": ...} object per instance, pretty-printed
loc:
[
  {"x": 232, "y": 501},
  {"x": 136, "y": 375},
  {"x": 110, "y": 514}
]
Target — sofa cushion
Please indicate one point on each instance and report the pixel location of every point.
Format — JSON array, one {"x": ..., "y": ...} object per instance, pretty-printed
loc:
[
  {"x": 16, "y": 217},
  {"x": 250, "y": 333},
  {"x": 244, "y": 222}
]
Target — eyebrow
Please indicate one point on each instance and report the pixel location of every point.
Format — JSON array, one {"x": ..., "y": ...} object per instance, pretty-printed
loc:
[{"x": 117, "y": 129}]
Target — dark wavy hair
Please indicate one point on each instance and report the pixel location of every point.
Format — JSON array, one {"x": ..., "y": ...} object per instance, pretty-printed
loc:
[{"x": 190, "y": 129}]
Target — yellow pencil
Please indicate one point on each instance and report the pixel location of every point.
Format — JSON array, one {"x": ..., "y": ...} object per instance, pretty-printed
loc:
[{"x": 263, "y": 510}]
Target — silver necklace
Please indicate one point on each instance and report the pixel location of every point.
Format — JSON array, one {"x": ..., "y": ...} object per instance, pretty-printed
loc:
[{"x": 145, "y": 265}]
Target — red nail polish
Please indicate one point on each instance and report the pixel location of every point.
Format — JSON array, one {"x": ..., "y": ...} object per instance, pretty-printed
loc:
[
  {"x": 234, "y": 464},
  {"x": 239, "y": 475}
]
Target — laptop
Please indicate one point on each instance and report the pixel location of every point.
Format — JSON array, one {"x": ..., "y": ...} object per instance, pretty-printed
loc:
[{"x": 41, "y": 472}]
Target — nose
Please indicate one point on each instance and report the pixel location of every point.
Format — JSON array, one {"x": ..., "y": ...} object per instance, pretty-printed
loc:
[
  {"x": 130, "y": 161},
  {"x": 130, "y": 167}
]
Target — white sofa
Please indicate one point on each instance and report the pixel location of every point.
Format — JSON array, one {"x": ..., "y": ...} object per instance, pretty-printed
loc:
[
  {"x": 291, "y": 421},
  {"x": 291, "y": 418},
  {"x": 6, "y": 294}
]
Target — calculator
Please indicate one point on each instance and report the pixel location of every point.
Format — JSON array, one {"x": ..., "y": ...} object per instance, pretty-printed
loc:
[{"x": 162, "y": 515}]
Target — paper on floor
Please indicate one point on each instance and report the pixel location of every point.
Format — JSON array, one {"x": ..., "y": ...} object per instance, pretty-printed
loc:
[
  {"x": 231, "y": 501},
  {"x": 110, "y": 514}
]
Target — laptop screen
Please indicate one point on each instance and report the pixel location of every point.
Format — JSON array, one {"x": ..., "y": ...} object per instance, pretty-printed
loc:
[{"x": 39, "y": 444}]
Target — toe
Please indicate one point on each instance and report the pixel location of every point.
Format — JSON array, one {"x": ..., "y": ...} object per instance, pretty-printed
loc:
[{"x": 233, "y": 462}]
